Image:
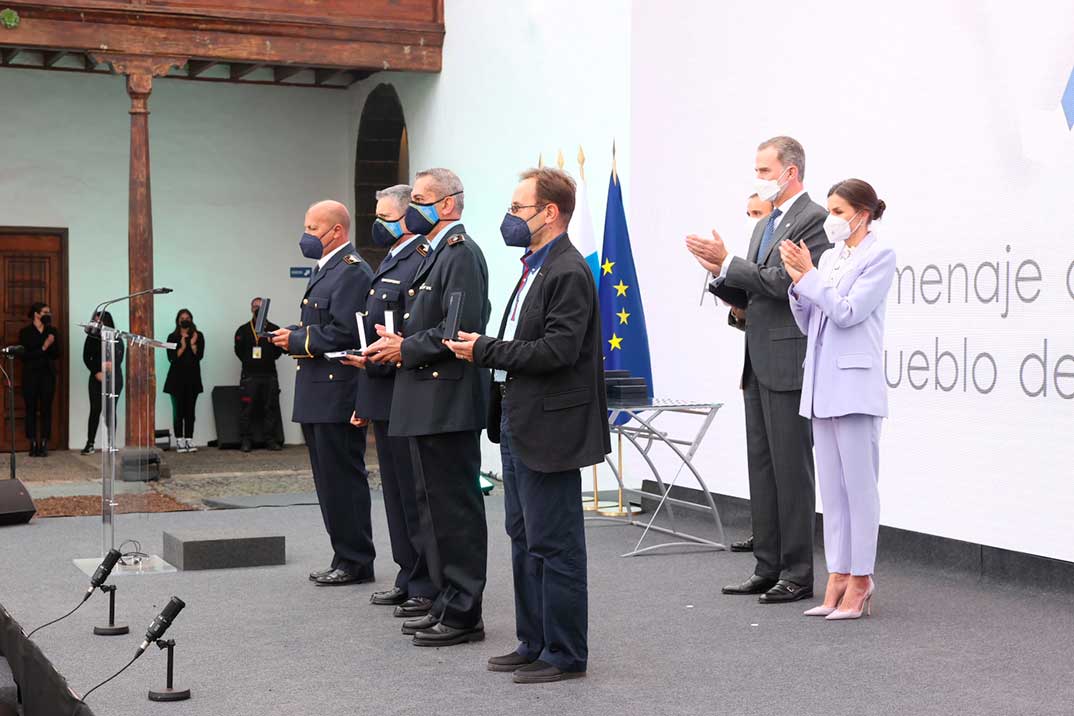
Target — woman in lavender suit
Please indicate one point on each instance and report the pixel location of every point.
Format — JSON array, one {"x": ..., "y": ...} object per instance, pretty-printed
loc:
[{"x": 840, "y": 305}]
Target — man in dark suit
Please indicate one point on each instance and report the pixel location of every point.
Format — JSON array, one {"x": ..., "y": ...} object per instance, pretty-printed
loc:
[
  {"x": 325, "y": 390},
  {"x": 439, "y": 403},
  {"x": 549, "y": 415},
  {"x": 779, "y": 442},
  {"x": 259, "y": 386},
  {"x": 413, "y": 591}
]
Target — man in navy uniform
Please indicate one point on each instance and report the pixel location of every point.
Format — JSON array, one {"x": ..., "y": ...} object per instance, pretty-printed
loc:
[
  {"x": 325, "y": 390},
  {"x": 413, "y": 591},
  {"x": 549, "y": 415},
  {"x": 439, "y": 403}
]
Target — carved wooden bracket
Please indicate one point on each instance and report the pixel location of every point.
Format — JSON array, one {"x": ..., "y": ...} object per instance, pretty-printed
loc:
[{"x": 140, "y": 71}]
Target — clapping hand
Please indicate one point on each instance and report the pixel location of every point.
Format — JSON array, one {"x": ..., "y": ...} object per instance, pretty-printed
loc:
[
  {"x": 796, "y": 259},
  {"x": 49, "y": 340},
  {"x": 710, "y": 253},
  {"x": 389, "y": 349}
]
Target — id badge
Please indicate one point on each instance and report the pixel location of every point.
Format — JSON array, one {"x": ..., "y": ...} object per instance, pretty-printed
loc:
[{"x": 257, "y": 352}]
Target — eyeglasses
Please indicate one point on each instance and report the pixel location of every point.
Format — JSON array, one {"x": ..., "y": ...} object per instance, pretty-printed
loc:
[{"x": 515, "y": 208}]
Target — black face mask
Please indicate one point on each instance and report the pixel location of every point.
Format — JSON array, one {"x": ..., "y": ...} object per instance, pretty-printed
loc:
[
  {"x": 185, "y": 323},
  {"x": 46, "y": 319}
]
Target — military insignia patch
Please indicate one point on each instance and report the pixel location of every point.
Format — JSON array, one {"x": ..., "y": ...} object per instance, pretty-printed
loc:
[
  {"x": 456, "y": 239},
  {"x": 352, "y": 259},
  {"x": 423, "y": 249}
]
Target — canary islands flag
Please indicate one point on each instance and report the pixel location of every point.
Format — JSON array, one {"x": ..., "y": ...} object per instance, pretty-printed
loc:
[
  {"x": 626, "y": 343},
  {"x": 581, "y": 229}
]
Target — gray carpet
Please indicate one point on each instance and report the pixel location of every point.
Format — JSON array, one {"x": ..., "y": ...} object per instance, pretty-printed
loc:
[{"x": 662, "y": 638}]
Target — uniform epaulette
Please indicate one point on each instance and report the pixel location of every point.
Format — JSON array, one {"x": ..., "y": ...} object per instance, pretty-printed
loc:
[
  {"x": 352, "y": 259},
  {"x": 456, "y": 239},
  {"x": 423, "y": 249}
]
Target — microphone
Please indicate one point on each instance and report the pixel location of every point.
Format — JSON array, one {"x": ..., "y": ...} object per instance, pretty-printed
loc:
[
  {"x": 13, "y": 350},
  {"x": 101, "y": 575},
  {"x": 161, "y": 623},
  {"x": 162, "y": 290}
]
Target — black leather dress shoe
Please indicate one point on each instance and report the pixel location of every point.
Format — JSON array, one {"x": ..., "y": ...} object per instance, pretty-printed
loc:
[
  {"x": 745, "y": 545},
  {"x": 508, "y": 662},
  {"x": 339, "y": 577},
  {"x": 785, "y": 592},
  {"x": 314, "y": 576},
  {"x": 414, "y": 607},
  {"x": 753, "y": 585},
  {"x": 274, "y": 446},
  {"x": 444, "y": 635},
  {"x": 389, "y": 598},
  {"x": 541, "y": 672},
  {"x": 413, "y": 626}
]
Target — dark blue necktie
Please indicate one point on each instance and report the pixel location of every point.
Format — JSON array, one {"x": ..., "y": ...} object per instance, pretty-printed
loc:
[{"x": 766, "y": 238}]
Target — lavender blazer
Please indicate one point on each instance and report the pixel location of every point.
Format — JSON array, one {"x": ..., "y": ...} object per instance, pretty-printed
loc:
[{"x": 844, "y": 365}]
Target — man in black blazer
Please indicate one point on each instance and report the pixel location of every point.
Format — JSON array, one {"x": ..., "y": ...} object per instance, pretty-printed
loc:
[
  {"x": 413, "y": 591},
  {"x": 325, "y": 390},
  {"x": 549, "y": 415},
  {"x": 779, "y": 442},
  {"x": 439, "y": 404}
]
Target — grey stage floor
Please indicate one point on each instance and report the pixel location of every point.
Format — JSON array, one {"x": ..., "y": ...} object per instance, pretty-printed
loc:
[{"x": 662, "y": 638}]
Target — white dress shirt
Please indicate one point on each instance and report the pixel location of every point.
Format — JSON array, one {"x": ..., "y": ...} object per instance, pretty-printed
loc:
[
  {"x": 399, "y": 247},
  {"x": 324, "y": 259}
]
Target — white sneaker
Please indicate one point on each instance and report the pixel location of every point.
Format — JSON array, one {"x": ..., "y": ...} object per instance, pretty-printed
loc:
[
  {"x": 190, "y": 447},
  {"x": 180, "y": 445}
]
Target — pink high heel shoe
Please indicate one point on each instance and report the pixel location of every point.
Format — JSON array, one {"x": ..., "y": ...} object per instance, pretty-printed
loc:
[
  {"x": 823, "y": 611},
  {"x": 866, "y": 607}
]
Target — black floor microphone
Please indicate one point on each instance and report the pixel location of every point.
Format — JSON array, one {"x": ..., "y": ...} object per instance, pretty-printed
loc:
[
  {"x": 103, "y": 571},
  {"x": 162, "y": 622}
]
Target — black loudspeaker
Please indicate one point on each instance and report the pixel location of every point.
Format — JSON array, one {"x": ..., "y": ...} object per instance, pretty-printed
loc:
[{"x": 16, "y": 505}]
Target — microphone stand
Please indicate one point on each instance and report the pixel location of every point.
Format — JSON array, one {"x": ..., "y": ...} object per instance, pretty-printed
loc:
[
  {"x": 169, "y": 693},
  {"x": 10, "y": 375}
]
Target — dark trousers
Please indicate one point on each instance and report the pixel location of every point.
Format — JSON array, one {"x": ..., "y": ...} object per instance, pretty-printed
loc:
[
  {"x": 37, "y": 393},
  {"x": 337, "y": 456},
  {"x": 184, "y": 402},
  {"x": 455, "y": 535},
  {"x": 95, "y": 408},
  {"x": 401, "y": 509},
  {"x": 548, "y": 558},
  {"x": 779, "y": 447},
  {"x": 259, "y": 400}
]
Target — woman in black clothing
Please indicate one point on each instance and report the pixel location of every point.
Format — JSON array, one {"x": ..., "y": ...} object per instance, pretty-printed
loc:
[
  {"x": 42, "y": 344},
  {"x": 184, "y": 377},
  {"x": 91, "y": 356}
]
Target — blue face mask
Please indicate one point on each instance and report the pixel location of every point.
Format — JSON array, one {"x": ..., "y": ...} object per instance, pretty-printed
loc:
[
  {"x": 386, "y": 233},
  {"x": 311, "y": 246},
  {"x": 423, "y": 218},
  {"x": 516, "y": 231}
]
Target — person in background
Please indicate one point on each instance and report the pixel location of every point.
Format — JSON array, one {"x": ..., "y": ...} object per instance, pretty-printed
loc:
[
  {"x": 91, "y": 357},
  {"x": 184, "y": 377},
  {"x": 259, "y": 386},
  {"x": 41, "y": 341},
  {"x": 840, "y": 307}
]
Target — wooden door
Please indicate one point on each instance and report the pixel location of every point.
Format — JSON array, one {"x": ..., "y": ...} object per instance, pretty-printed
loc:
[{"x": 33, "y": 267}]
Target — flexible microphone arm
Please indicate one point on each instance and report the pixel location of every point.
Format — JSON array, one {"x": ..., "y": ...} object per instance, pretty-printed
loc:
[{"x": 101, "y": 306}]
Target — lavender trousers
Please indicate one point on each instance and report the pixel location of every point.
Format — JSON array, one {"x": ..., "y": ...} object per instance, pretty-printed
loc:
[{"x": 848, "y": 471}]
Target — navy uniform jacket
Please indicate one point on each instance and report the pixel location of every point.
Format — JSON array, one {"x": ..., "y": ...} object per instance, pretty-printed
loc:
[
  {"x": 390, "y": 284},
  {"x": 435, "y": 392},
  {"x": 325, "y": 389}
]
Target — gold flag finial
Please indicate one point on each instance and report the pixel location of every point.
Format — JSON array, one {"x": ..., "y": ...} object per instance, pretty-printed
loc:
[
  {"x": 540, "y": 160},
  {"x": 581, "y": 163},
  {"x": 615, "y": 171},
  {"x": 559, "y": 159}
]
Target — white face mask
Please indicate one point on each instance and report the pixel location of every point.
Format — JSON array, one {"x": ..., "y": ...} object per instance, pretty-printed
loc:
[
  {"x": 769, "y": 189},
  {"x": 838, "y": 229}
]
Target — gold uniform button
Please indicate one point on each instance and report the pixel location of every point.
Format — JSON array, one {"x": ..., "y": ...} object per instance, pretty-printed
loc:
[
  {"x": 410, "y": 292},
  {"x": 298, "y": 366},
  {"x": 372, "y": 291},
  {"x": 406, "y": 316},
  {"x": 384, "y": 296},
  {"x": 305, "y": 301},
  {"x": 435, "y": 374},
  {"x": 329, "y": 376},
  {"x": 300, "y": 324},
  {"x": 398, "y": 365}
]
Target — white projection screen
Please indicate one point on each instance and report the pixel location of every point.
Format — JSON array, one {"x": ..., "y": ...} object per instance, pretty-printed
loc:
[{"x": 952, "y": 110}]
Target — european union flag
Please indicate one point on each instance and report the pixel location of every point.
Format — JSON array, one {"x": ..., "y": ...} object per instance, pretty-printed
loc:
[{"x": 626, "y": 343}]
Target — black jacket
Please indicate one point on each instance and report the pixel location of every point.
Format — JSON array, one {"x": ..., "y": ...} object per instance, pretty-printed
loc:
[
  {"x": 184, "y": 373},
  {"x": 556, "y": 404},
  {"x": 325, "y": 389},
  {"x": 435, "y": 392},
  {"x": 390, "y": 284},
  {"x": 91, "y": 358},
  {"x": 245, "y": 341},
  {"x": 35, "y": 361}
]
